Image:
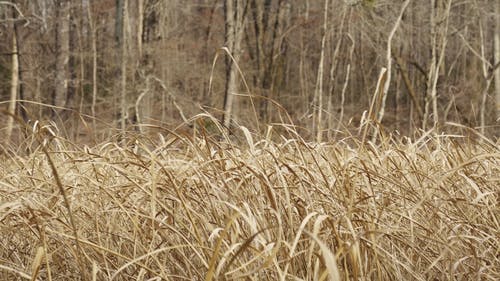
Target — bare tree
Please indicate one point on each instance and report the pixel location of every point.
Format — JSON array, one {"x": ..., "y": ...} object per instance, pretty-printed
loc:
[
  {"x": 439, "y": 19},
  {"x": 269, "y": 18},
  {"x": 62, "y": 40},
  {"x": 497, "y": 58},
  {"x": 93, "y": 40},
  {"x": 318, "y": 93},
  {"x": 389, "y": 56},
  {"x": 344, "y": 88},
  {"x": 235, "y": 17},
  {"x": 14, "y": 81},
  {"x": 122, "y": 40},
  {"x": 488, "y": 74},
  {"x": 333, "y": 71},
  {"x": 140, "y": 27}
]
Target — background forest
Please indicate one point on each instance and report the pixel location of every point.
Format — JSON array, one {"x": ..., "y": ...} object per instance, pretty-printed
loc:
[{"x": 331, "y": 64}]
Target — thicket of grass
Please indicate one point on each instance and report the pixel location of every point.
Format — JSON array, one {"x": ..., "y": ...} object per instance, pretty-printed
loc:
[{"x": 277, "y": 208}]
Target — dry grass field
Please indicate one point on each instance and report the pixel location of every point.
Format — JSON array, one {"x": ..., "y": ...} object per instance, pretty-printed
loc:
[{"x": 184, "y": 207}]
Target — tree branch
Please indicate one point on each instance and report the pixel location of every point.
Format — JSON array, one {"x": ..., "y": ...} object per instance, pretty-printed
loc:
[{"x": 16, "y": 8}]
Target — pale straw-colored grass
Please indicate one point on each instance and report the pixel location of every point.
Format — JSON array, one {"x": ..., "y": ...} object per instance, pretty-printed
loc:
[{"x": 193, "y": 208}]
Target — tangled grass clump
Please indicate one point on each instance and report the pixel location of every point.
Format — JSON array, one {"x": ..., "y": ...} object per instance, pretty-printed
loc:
[{"x": 192, "y": 208}]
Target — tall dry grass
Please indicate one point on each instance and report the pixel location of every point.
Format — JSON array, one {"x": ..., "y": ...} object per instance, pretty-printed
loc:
[{"x": 185, "y": 207}]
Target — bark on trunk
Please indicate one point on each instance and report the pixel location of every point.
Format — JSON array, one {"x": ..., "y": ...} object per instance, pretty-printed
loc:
[
  {"x": 62, "y": 53},
  {"x": 497, "y": 60},
  {"x": 389, "y": 62},
  {"x": 140, "y": 27},
  {"x": 318, "y": 93},
  {"x": 122, "y": 41},
  {"x": 439, "y": 41},
  {"x": 14, "y": 85},
  {"x": 235, "y": 18},
  {"x": 93, "y": 40}
]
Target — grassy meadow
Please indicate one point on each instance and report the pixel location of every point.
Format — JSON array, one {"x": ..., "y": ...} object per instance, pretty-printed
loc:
[{"x": 183, "y": 206}]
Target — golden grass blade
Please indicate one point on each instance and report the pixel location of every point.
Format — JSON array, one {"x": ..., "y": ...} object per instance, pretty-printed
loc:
[
  {"x": 213, "y": 260},
  {"x": 37, "y": 263},
  {"x": 329, "y": 259}
]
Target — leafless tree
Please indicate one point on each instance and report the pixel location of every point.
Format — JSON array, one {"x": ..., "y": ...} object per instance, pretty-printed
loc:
[
  {"x": 14, "y": 85},
  {"x": 62, "y": 40},
  {"x": 497, "y": 59},
  {"x": 235, "y": 17}
]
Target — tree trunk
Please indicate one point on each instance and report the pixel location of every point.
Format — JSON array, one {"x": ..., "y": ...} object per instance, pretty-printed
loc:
[
  {"x": 386, "y": 85},
  {"x": 235, "y": 18},
  {"x": 482, "y": 109},
  {"x": 93, "y": 35},
  {"x": 62, "y": 54},
  {"x": 72, "y": 72},
  {"x": 333, "y": 73},
  {"x": 268, "y": 22},
  {"x": 497, "y": 60},
  {"x": 119, "y": 21},
  {"x": 143, "y": 102},
  {"x": 140, "y": 28},
  {"x": 122, "y": 21},
  {"x": 409, "y": 86},
  {"x": 14, "y": 85},
  {"x": 431, "y": 91},
  {"x": 438, "y": 44},
  {"x": 318, "y": 93},
  {"x": 489, "y": 74},
  {"x": 346, "y": 83}
]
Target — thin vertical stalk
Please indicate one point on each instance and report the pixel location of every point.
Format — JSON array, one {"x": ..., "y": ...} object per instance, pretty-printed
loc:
[{"x": 318, "y": 93}]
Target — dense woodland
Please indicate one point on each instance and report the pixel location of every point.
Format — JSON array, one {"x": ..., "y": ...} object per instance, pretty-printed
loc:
[{"x": 330, "y": 64}]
